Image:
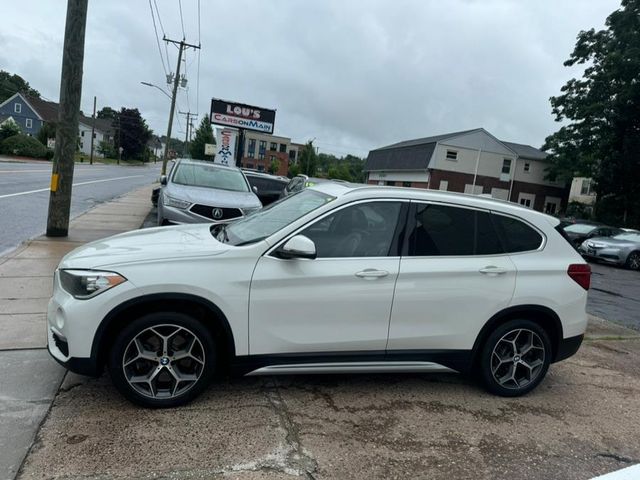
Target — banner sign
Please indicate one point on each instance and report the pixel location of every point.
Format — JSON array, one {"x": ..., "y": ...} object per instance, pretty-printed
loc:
[
  {"x": 239, "y": 115},
  {"x": 225, "y": 146},
  {"x": 209, "y": 149}
]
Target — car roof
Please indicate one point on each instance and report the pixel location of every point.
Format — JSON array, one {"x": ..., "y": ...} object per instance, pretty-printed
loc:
[
  {"x": 256, "y": 173},
  {"x": 358, "y": 191}
]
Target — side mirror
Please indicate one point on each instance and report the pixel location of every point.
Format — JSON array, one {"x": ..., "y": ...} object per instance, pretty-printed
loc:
[
  {"x": 255, "y": 189},
  {"x": 163, "y": 179},
  {"x": 298, "y": 247}
]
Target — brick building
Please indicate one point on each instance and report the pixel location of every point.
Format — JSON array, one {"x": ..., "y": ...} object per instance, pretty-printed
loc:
[
  {"x": 471, "y": 161},
  {"x": 260, "y": 150}
]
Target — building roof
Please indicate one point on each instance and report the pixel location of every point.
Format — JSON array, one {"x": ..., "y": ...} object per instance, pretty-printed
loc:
[
  {"x": 48, "y": 111},
  {"x": 416, "y": 154},
  {"x": 526, "y": 151}
]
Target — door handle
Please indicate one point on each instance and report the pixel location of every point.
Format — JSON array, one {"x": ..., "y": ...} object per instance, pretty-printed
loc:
[
  {"x": 372, "y": 274},
  {"x": 492, "y": 270}
]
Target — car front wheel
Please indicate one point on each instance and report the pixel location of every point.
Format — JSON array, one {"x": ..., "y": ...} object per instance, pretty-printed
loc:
[
  {"x": 515, "y": 358},
  {"x": 633, "y": 261},
  {"x": 162, "y": 360}
]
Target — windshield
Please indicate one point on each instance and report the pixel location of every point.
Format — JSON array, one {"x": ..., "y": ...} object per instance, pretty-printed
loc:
[
  {"x": 631, "y": 237},
  {"x": 269, "y": 220},
  {"x": 579, "y": 228},
  {"x": 210, "y": 176}
]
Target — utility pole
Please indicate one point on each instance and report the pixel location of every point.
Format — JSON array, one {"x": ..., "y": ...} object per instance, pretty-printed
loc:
[
  {"x": 190, "y": 116},
  {"x": 182, "y": 45},
  {"x": 68, "y": 116},
  {"x": 93, "y": 130}
]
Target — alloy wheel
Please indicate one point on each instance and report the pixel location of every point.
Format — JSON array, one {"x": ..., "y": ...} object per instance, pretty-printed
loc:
[
  {"x": 163, "y": 361},
  {"x": 634, "y": 261},
  {"x": 517, "y": 359}
]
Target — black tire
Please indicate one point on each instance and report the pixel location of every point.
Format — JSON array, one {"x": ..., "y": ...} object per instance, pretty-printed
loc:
[
  {"x": 505, "y": 339},
  {"x": 195, "y": 369},
  {"x": 633, "y": 261}
]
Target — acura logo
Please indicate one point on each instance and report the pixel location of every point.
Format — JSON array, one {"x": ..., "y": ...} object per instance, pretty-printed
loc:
[{"x": 217, "y": 213}]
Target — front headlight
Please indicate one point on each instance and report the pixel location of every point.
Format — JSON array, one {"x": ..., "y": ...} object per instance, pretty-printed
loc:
[
  {"x": 83, "y": 284},
  {"x": 175, "y": 202},
  {"x": 250, "y": 210}
]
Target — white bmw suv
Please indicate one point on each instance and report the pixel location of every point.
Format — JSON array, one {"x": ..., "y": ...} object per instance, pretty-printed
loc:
[{"x": 335, "y": 278}]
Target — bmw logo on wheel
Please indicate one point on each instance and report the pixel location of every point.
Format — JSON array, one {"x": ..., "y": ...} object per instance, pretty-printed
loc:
[{"x": 216, "y": 213}]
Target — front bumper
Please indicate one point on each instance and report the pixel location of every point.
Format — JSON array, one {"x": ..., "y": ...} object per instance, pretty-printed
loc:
[{"x": 82, "y": 366}]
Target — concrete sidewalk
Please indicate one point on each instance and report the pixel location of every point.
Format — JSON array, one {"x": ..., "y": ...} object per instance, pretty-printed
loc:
[{"x": 31, "y": 378}]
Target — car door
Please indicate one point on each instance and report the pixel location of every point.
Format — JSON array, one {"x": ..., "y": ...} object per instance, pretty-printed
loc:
[
  {"x": 453, "y": 277},
  {"x": 339, "y": 301}
]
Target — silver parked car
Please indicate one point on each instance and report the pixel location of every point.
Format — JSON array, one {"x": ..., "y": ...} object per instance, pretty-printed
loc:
[
  {"x": 198, "y": 192},
  {"x": 622, "y": 249}
]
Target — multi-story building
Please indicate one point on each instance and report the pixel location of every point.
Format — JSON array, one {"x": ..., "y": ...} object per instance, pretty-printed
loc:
[
  {"x": 471, "y": 161},
  {"x": 260, "y": 150},
  {"x": 582, "y": 191}
]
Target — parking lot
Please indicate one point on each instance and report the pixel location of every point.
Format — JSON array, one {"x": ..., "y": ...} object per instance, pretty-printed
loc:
[
  {"x": 582, "y": 421},
  {"x": 615, "y": 295}
]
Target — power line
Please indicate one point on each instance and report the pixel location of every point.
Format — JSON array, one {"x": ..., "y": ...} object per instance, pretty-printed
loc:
[
  {"x": 153, "y": 18},
  {"x": 181, "y": 19},
  {"x": 166, "y": 50}
]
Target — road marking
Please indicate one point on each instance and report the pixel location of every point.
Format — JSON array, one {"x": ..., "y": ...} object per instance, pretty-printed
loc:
[
  {"x": 75, "y": 185},
  {"x": 49, "y": 170}
]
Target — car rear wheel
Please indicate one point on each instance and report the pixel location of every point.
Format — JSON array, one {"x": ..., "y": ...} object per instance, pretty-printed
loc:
[
  {"x": 633, "y": 261},
  {"x": 162, "y": 360},
  {"x": 515, "y": 358}
]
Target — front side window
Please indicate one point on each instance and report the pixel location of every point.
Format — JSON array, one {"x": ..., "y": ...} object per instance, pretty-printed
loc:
[
  {"x": 211, "y": 176},
  {"x": 452, "y": 231},
  {"x": 362, "y": 230}
]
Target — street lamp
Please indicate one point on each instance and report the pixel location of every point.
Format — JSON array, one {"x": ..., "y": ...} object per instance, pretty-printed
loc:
[{"x": 155, "y": 86}]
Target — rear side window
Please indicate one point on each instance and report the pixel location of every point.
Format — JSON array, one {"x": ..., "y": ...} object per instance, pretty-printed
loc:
[
  {"x": 517, "y": 235},
  {"x": 452, "y": 231}
]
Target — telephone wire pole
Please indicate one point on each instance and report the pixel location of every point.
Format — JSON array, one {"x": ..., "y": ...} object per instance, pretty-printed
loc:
[{"x": 68, "y": 116}]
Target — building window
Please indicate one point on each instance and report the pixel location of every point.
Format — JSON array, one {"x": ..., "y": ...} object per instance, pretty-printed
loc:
[
  {"x": 452, "y": 155},
  {"x": 381, "y": 183},
  {"x": 292, "y": 154},
  {"x": 526, "y": 202},
  {"x": 251, "y": 151},
  {"x": 506, "y": 165},
  {"x": 550, "y": 208},
  {"x": 390, "y": 184},
  {"x": 273, "y": 147},
  {"x": 262, "y": 148},
  {"x": 444, "y": 185},
  {"x": 283, "y": 148},
  {"x": 261, "y": 168},
  {"x": 585, "y": 189},
  {"x": 527, "y": 166},
  {"x": 406, "y": 184},
  {"x": 17, "y": 108},
  {"x": 249, "y": 165},
  {"x": 28, "y": 123}
]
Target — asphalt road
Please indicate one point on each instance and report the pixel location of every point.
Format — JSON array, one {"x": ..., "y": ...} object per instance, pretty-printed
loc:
[
  {"x": 24, "y": 194},
  {"x": 615, "y": 295}
]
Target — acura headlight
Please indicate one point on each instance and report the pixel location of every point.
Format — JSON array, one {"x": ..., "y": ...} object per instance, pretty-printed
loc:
[
  {"x": 83, "y": 284},
  {"x": 175, "y": 202}
]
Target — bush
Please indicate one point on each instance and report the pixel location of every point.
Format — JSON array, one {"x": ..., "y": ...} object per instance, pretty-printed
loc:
[
  {"x": 23, "y": 146},
  {"x": 9, "y": 129}
]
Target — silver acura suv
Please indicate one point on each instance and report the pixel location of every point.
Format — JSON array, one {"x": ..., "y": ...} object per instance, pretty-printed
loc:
[{"x": 197, "y": 192}]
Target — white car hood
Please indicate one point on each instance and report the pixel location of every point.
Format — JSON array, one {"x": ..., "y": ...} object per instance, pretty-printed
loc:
[{"x": 148, "y": 245}]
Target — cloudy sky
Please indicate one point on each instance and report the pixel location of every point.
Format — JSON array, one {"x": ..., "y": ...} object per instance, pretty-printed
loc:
[{"x": 354, "y": 74}]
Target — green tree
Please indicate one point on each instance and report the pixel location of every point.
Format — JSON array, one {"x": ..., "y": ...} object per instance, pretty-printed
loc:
[
  {"x": 106, "y": 149},
  {"x": 308, "y": 159},
  {"x": 132, "y": 134},
  {"x": 274, "y": 166},
  {"x": 204, "y": 134},
  {"x": 601, "y": 138},
  {"x": 47, "y": 131},
  {"x": 10, "y": 84},
  {"x": 107, "y": 113},
  {"x": 9, "y": 129}
]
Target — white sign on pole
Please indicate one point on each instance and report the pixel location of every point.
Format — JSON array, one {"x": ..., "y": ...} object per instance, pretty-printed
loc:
[
  {"x": 209, "y": 149},
  {"x": 226, "y": 146}
]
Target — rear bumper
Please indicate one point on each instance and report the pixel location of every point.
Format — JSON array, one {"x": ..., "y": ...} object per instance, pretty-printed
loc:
[{"x": 568, "y": 347}]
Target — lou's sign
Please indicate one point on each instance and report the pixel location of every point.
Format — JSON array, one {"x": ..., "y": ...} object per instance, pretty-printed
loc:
[{"x": 239, "y": 115}]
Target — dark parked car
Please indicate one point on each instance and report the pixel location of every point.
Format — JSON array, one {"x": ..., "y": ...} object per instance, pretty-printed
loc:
[
  {"x": 267, "y": 187},
  {"x": 579, "y": 232},
  {"x": 300, "y": 182}
]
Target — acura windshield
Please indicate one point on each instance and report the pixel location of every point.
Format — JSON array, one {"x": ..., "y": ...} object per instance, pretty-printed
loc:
[
  {"x": 269, "y": 220},
  {"x": 210, "y": 176}
]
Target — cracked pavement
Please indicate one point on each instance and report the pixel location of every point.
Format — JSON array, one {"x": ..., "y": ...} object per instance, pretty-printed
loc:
[{"x": 581, "y": 422}]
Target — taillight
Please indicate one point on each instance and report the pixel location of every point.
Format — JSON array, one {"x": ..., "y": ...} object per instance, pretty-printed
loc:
[{"x": 581, "y": 274}]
